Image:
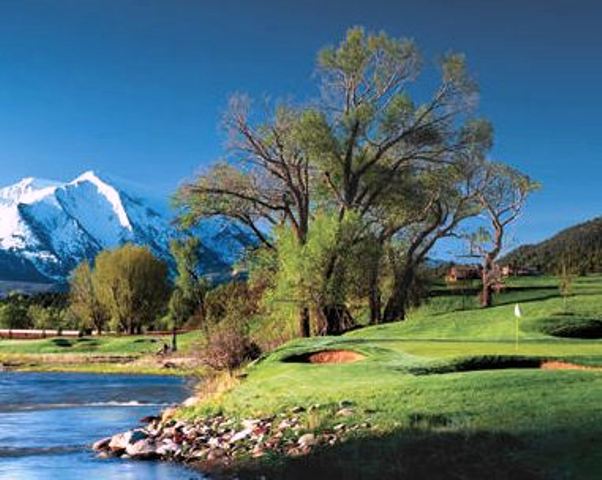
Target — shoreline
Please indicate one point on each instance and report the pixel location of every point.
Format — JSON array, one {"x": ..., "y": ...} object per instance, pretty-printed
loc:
[{"x": 219, "y": 445}]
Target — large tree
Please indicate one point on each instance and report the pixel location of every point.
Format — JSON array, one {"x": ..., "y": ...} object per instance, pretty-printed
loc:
[
  {"x": 442, "y": 199},
  {"x": 133, "y": 285},
  {"x": 371, "y": 142},
  {"x": 84, "y": 300},
  {"x": 388, "y": 166}
]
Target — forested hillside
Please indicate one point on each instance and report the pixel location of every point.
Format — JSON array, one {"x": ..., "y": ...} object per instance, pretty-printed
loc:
[{"x": 578, "y": 247}]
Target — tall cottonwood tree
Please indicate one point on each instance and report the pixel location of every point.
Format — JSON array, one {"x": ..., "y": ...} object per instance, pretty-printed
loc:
[
  {"x": 368, "y": 136},
  {"x": 439, "y": 201},
  {"x": 385, "y": 165}
]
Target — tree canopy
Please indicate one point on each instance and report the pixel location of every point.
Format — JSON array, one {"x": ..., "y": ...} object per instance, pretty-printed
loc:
[{"x": 368, "y": 173}]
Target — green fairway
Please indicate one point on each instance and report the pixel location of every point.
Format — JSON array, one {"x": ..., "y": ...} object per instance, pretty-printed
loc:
[{"x": 492, "y": 422}]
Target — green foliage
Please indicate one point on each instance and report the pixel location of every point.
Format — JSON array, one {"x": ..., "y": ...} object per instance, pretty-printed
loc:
[
  {"x": 85, "y": 303},
  {"x": 132, "y": 284},
  {"x": 233, "y": 299},
  {"x": 14, "y": 313},
  {"x": 43, "y": 310},
  {"x": 188, "y": 296},
  {"x": 226, "y": 343},
  {"x": 44, "y": 318},
  {"x": 300, "y": 280}
]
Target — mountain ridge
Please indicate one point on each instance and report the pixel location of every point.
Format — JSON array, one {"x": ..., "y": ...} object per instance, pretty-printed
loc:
[
  {"x": 47, "y": 227},
  {"x": 578, "y": 248}
]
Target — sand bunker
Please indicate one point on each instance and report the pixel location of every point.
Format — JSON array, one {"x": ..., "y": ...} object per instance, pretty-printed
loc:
[
  {"x": 555, "y": 365},
  {"x": 326, "y": 356}
]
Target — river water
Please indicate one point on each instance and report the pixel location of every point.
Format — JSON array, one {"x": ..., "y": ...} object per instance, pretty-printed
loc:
[{"x": 49, "y": 420}]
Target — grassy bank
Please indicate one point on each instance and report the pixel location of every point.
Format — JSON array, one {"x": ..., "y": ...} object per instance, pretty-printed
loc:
[
  {"x": 97, "y": 354},
  {"x": 442, "y": 394}
]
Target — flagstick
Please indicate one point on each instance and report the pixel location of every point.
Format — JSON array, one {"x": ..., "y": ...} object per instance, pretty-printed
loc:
[{"x": 517, "y": 314}]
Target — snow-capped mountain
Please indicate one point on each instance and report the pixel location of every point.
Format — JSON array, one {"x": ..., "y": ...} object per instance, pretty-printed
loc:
[{"x": 48, "y": 227}]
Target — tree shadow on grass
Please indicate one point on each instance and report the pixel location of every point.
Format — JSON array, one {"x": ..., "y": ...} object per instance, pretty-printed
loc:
[
  {"x": 62, "y": 342},
  {"x": 408, "y": 454}
]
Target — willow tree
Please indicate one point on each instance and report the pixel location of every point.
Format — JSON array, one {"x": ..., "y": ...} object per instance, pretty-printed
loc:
[
  {"x": 84, "y": 299},
  {"x": 133, "y": 285}
]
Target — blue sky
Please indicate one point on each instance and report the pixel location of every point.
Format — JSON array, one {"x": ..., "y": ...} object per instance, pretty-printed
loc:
[{"x": 135, "y": 89}]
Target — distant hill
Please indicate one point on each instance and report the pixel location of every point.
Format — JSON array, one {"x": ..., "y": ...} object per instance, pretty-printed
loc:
[{"x": 579, "y": 247}]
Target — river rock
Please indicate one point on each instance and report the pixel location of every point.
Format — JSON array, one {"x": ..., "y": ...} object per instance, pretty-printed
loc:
[
  {"x": 241, "y": 435},
  {"x": 307, "y": 440},
  {"x": 345, "y": 412},
  {"x": 250, "y": 422},
  {"x": 149, "y": 419},
  {"x": 102, "y": 444},
  {"x": 142, "y": 449},
  {"x": 120, "y": 441},
  {"x": 215, "y": 454}
]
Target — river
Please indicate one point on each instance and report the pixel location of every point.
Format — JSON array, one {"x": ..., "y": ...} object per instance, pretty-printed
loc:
[{"x": 49, "y": 420}]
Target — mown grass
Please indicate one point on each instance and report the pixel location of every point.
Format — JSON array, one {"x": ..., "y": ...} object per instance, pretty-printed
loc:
[
  {"x": 96, "y": 354},
  {"x": 104, "y": 344},
  {"x": 434, "y": 411},
  {"x": 29, "y": 364}
]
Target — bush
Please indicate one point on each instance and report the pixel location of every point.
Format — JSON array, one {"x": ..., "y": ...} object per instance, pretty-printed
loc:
[
  {"x": 14, "y": 313},
  {"x": 227, "y": 346},
  {"x": 230, "y": 299}
]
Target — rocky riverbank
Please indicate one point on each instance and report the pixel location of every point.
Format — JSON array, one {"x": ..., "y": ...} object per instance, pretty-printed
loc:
[{"x": 216, "y": 442}]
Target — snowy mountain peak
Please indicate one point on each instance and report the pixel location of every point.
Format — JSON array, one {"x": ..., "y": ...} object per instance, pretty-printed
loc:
[
  {"x": 111, "y": 195},
  {"x": 27, "y": 190},
  {"x": 48, "y": 227}
]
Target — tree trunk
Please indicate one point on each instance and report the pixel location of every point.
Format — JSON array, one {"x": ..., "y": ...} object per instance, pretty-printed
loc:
[
  {"x": 337, "y": 319},
  {"x": 375, "y": 301},
  {"x": 304, "y": 322},
  {"x": 174, "y": 339},
  {"x": 396, "y": 305},
  {"x": 487, "y": 291},
  {"x": 374, "y": 294}
]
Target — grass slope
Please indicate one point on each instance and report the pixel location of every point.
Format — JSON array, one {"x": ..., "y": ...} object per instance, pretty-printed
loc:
[{"x": 500, "y": 423}]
